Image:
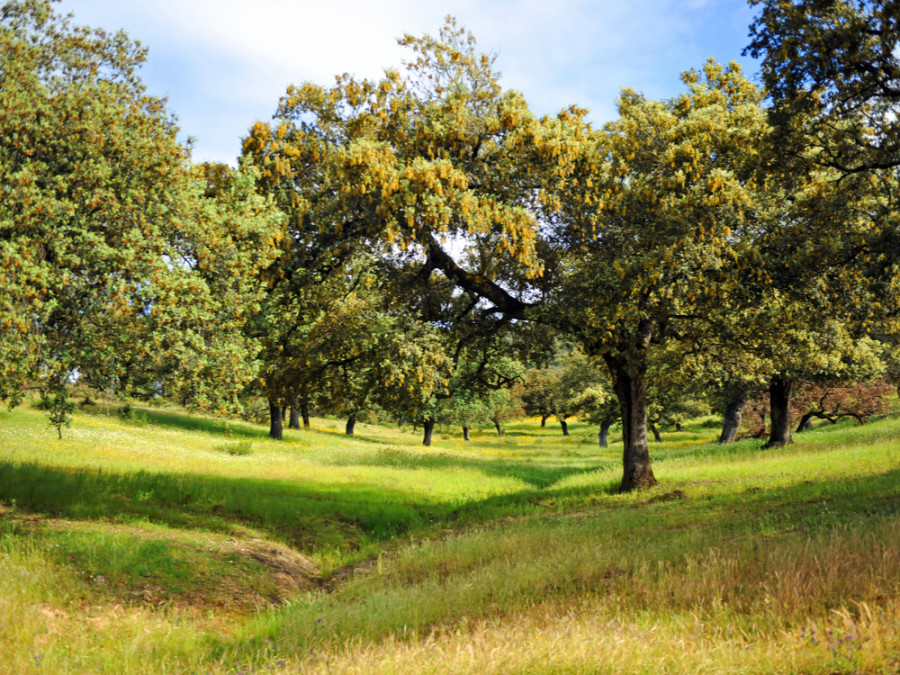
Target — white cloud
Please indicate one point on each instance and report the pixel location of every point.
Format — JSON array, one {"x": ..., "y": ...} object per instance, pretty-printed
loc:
[{"x": 225, "y": 63}]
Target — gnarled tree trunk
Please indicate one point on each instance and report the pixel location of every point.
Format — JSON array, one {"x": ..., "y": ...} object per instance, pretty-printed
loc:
[
  {"x": 544, "y": 418},
  {"x": 498, "y": 427},
  {"x": 276, "y": 421},
  {"x": 655, "y": 431},
  {"x": 732, "y": 418},
  {"x": 565, "y": 427},
  {"x": 805, "y": 422},
  {"x": 466, "y": 433},
  {"x": 779, "y": 412},
  {"x": 351, "y": 424},
  {"x": 629, "y": 383}
]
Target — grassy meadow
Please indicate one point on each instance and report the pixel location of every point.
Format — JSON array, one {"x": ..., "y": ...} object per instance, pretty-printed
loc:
[{"x": 172, "y": 543}]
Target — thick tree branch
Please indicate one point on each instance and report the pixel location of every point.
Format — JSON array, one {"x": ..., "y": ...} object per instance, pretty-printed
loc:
[{"x": 480, "y": 285}]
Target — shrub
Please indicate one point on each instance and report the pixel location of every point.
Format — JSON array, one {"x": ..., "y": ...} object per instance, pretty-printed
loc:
[{"x": 239, "y": 449}]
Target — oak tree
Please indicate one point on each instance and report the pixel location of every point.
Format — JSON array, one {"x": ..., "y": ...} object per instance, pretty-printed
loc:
[{"x": 652, "y": 229}]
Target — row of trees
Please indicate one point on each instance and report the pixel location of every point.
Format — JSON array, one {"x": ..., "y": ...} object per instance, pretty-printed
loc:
[{"x": 410, "y": 242}]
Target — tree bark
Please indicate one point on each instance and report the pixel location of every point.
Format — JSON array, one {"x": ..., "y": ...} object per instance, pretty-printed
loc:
[
  {"x": 779, "y": 412},
  {"x": 351, "y": 424},
  {"x": 498, "y": 428},
  {"x": 428, "y": 426},
  {"x": 806, "y": 422},
  {"x": 565, "y": 427},
  {"x": 656, "y": 436},
  {"x": 604, "y": 431},
  {"x": 304, "y": 413},
  {"x": 630, "y": 386},
  {"x": 544, "y": 419},
  {"x": 466, "y": 434},
  {"x": 731, "y": 421},
  {"x": 276, "y": 421},
  {"x": 295, "y": 414}
]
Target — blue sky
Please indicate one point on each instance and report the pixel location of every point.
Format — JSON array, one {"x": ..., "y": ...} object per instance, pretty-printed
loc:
[{"x": 223, "y": 64}]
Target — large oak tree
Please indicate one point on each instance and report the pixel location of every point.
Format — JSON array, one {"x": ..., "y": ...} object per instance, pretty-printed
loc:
[{"x": 652, "y": 228}]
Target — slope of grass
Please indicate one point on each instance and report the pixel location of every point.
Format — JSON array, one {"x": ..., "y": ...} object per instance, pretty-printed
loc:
[{"x": 506, "y": 554}]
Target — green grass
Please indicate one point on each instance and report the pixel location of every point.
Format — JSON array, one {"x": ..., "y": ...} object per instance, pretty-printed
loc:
[{"x": 126, "y": 547}]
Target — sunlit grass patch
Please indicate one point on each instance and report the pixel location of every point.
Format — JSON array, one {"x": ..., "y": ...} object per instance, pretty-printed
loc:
[
  {"x": 590, "y": 637},
  {"x": 146, "y": 564}
]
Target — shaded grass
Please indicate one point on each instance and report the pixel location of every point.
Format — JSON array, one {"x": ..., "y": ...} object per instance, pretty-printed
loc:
[
  {"x": 540, "y": 476},
  {"x": 174, "y": 419},
  {"x": 335, "y": 520},
  {"x": 318, "y": 519}
]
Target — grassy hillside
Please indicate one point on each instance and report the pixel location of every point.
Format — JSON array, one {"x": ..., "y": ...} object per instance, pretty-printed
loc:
[{"x": 175, "y": 543}]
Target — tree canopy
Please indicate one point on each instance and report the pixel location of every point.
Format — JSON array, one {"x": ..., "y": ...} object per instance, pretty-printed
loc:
[
  {"x": 652, "y": 228},
  {"x": 104, "y": 230},
  {"x": 832, "y": 67}
]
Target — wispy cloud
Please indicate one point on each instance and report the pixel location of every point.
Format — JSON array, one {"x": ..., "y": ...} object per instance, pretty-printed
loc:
[{"x": 225, "y": 63}]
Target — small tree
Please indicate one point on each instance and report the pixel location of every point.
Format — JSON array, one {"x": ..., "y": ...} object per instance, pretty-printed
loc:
[{"x": 837, "y": 400}]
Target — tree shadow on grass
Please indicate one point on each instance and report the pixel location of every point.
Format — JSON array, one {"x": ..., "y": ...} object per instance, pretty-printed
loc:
[
  {"x": 182, "y": 421},
  {"x": 310, "y": 516},
  {"x": 825, "y": 504},
  {"x": 238, "y": 429},
  {"x": 327, "y": 517},
  {"x": 538, "y": 475},
  {"x": 225, "y": 428}
]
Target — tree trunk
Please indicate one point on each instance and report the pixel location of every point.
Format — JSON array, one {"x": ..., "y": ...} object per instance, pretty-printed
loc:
[
  {"x": 544, "y": 419},
  {"x": 806, "y": 422},
  {"x": 604, "y": 431},
  {"x": 732, "y": 418},
  {"x": 283, "y": 413},
  {"x": 304, "y": 413},
  {"x": 565, "y": 427},
  {"x": 498, "y": 428},
  {"x": 276, "y": 421},
  {"x": 779, "y": 412},
  {"x": 466, "y": 434},
  {"x": 656, "y": 436},
  {"x": 295, "y": 415},
  {"x": 631, "y": 391},
  {"x": 351, "y": 424},
  {"x": 428, "y": 426}
]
